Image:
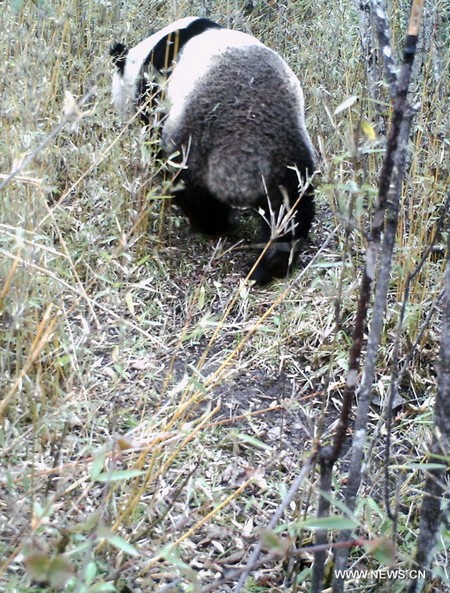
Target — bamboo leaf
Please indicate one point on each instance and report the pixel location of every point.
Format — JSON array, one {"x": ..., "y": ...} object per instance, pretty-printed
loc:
[
  {"x": 346, "y": 104},
  {"x": 117, "y": 475}
]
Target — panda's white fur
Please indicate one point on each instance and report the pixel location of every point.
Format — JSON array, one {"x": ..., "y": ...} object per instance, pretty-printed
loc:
[
  {"x": 124, "y": 86},
  {"x": 238, "y": 109},
  {"x": 196, "y": 59},
  {"x": 193, "y": 64}
]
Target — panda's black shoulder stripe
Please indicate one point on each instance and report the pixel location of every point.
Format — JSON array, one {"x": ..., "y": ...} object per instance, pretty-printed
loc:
[
  {"x": 167, "y": 49},
  {"x": 119, "y": 52}
]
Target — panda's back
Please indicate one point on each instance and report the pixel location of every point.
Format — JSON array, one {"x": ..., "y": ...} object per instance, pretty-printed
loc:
[{"x": 238, "y": 108}]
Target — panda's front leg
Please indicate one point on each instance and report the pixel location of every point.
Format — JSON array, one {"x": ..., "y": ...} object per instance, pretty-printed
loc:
[{"x": 207, "y": 214}]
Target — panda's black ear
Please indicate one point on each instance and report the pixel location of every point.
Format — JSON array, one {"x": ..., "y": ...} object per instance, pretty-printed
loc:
[{"x": 119, "y": 52}]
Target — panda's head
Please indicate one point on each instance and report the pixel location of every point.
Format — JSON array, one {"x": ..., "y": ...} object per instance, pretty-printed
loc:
[{"x": 136, "y": 68}]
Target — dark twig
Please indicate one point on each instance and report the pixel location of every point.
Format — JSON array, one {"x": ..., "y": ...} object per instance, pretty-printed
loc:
[
  {"x": 386, "y": 216},
  {"x": 252, "y": 561},
  {"x": 423, "y": 328},
  {"x": 384, "y": 42},
  {"x": 397, "y": 373},
  {"x": 273, "y": 557},
  {"x": 56, "y": 454},
  {"x": 372, "y": 60},
  {"x": 431, "y": 512}
]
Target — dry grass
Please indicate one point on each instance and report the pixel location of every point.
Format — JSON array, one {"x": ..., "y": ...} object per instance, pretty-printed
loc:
[{"x": 155, "y": 409}]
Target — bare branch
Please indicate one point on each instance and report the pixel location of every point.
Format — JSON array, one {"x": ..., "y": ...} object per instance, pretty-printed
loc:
[
  {"x": 431, "y": 513},
  {"x": 67, "y": 118},
  {"x": 275, "y": 518},
  {"x": 384, "y": 40},
  {"x": 397, "y": 374},
  {"x": 385, "y": 216}
]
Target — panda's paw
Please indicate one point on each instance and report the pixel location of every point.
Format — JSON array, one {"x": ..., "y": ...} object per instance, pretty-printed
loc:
[{"x": 261, "y": 276}]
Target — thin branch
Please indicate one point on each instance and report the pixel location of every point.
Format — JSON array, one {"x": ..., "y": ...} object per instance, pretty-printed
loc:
[
  {"x": 252, "y": 561},
  {"x": 384, "y": 41},
  {"x": 397, "y": 374},
  {"x": 386, "y": 216},
  {"x": 431, "y": 512},
  {"x": 67, "y": 118},
  {"x": 273, "y": 557}
]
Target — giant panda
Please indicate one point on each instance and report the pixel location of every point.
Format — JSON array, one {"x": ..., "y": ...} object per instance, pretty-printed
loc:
[{"x": 234, "y": 115}]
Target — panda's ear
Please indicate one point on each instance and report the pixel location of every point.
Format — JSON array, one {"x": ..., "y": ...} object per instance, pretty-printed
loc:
[{"x": 119, "y": 52}]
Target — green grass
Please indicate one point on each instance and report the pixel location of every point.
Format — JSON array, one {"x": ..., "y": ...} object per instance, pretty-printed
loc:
[{"x": 130, "y": 344}]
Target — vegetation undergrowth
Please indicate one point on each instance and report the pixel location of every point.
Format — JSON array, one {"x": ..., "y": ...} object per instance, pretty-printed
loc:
[{"x": 155, "y": 407}]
